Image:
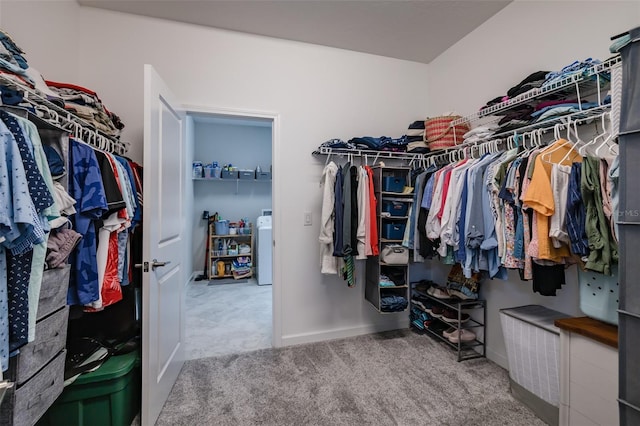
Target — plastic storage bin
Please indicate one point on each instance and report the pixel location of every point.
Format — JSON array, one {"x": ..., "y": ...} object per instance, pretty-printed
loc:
[
  {"x": 393, "y": 184},
  {"x": 222, "y": 227},
  {"x": 263, "y": 175},
  {"x": 393, "y": 231},
  {"x": 229, "y": 174},
  {"x": 246, "y": 174},
  {"x": 109, "y": 396},
  {"x": 395, "y": 208},
  {"x": 599, "y": 295}
]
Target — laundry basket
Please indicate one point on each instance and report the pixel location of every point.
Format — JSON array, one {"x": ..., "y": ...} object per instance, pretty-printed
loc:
[
  {"x": 440, "y": 134},
  {"x": 533, "y": 351}
]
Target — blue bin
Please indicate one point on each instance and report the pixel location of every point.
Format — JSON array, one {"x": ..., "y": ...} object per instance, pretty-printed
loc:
[
  {"x": 395, "y": 208},
  {"x": 393, "y": 231},
  {"x": 393, "y": 184},
  {"x": 222, "y": 227}
]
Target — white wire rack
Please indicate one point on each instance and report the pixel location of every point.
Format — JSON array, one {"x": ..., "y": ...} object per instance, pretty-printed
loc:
[
  {"x": 60, "y": 117},
  {"x": 453, "y": 154},
  {"x": 580, "y": 84}
]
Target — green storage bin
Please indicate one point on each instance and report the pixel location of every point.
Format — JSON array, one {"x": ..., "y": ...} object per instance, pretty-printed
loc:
[{"x": 109, "y": 396}]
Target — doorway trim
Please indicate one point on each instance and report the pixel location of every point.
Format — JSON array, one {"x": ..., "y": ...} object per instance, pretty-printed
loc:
[{"x": 276, "y": 302}]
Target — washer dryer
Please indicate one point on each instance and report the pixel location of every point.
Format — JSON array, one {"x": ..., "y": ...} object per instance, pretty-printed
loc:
[{"x": 265, "y": 251}]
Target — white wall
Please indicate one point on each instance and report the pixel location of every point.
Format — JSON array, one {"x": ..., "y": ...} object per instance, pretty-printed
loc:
[
  {"x": 317, "y": 92},
  {"x": 244, "y": 146},
  {"x": 524, "y": 37},
  {"x": 48, "y": 33}
]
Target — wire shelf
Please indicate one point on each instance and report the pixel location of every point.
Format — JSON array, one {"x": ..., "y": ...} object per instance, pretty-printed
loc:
[
  {"x": 584, "y": 81},
  {"x": 69, "y": 121}
]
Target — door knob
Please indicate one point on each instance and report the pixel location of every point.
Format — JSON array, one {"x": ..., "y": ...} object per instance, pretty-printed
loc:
[{"x": 155, "y": 264}]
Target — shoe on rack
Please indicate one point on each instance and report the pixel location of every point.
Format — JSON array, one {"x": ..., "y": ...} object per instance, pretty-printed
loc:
[
  {"x": 460, "y": 295},
  {"x": 451, "y": 316},
  {"x": 439, "y": 293},
  {"x": 463, "y": 335},
  {"x": 449, "y": 332},
  {"x": 436, "y": 311}
]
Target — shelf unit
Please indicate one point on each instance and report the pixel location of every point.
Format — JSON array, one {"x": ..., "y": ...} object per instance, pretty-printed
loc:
[
  {"x": 374, "y": 267},
  {"x": 214, "y": 255},
  {"x": 583, "y": 84},
  {"x": 464, "y": 350},
  {"x": 81, "y": 128},
  {"x": 588, "y": 83}
]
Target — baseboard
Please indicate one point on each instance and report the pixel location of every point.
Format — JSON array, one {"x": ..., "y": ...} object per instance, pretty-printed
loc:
[
  {"x": 341, "y": 333},
  {"x": 194, "y": 275},
  {"x": 549, "y": 413},
  {"x": 498, "y": 358}
]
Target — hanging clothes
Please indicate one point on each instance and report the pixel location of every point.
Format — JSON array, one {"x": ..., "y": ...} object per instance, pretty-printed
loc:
[{"x": 328, "y": 263}]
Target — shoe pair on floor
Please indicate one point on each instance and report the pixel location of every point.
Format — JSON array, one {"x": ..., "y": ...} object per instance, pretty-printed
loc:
[{"x": 455, "y": 335}]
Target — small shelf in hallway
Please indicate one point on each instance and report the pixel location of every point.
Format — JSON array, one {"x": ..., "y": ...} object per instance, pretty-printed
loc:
[{"x": 227, "y": 319}]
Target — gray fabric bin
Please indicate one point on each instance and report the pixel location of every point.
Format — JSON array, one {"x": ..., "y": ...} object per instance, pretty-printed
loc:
[
  {"x": 53, "y": 293},
  {"x": 51, "y": 336},
  {"x": 24, "y": 405}
]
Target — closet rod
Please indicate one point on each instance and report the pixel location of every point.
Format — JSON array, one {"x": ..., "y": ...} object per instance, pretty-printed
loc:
[{"x": 67, "y": 120}]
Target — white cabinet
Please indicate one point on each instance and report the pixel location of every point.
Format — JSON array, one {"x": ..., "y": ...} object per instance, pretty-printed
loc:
[{"x": 588, "y": 376}]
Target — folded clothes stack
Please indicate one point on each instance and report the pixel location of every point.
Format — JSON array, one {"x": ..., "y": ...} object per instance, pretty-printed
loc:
[
  {"x": 554, "y": 104},
  {"x": 415, "y": 138},
  {"x": 480, "y": 133},
  {"x": 87, "y": 105}
]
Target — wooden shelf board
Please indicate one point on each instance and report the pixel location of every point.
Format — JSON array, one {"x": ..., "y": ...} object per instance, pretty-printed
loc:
[{"x": 591, "y": 328}]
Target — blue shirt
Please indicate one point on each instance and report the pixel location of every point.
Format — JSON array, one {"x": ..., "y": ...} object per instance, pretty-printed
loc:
[
  {"x": 85, "y": 186},
  {"x": 576, "y": 215}
]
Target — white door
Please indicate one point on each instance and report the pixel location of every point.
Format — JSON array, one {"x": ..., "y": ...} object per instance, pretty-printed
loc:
[{"x": 164, "y": 244}]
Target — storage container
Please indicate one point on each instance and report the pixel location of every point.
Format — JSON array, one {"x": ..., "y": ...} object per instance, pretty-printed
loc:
[
  {"x": 263, "y": 175},
  {"x": 628, "y": 337},
  {"x": 109, "y": 396},
  {"x": 599, "y": 295},
  {"x": 222, "y": 227},
  {"x": 53, "y": 292},
  {"x": 395, "y": 208},
  {"x": 246, "y": 174},
  {"x": 629, "y": 242},
  {"x": 393, "y": 184},
  {"x": 24, "y": 405},
  {"x": 229, "y": 174},
  {"x": 393, "y": 231},
  {"x": 533, "y": 351}
]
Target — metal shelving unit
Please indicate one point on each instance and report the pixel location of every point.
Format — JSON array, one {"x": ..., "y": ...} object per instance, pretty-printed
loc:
[{"x": 464, "y": 350}]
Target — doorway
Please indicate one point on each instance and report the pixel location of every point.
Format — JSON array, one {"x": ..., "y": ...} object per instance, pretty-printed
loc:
[{"x": 229, "y": 312}]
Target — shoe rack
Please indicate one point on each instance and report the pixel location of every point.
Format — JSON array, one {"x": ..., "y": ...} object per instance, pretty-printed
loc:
[{"x": 435, "y": 324}]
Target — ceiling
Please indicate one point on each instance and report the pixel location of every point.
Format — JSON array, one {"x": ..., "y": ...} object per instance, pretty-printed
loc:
[{"x": 418, "y": 30}]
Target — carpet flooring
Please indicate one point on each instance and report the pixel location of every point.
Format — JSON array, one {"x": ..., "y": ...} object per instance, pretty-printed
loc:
[
  {"x": 392, "y": 378},
  {"x": 227, "y": 318}
]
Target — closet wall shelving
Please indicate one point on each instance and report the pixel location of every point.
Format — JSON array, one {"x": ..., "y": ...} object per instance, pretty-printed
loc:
[
  {"x": 580, "y": 84},
  {"x": 80, "y": 128},
  {"x": 37, "y": 371},
  {"x": 587, "y": 84}
]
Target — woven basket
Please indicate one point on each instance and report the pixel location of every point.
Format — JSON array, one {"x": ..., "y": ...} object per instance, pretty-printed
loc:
[{"x": 439, "y": 134}]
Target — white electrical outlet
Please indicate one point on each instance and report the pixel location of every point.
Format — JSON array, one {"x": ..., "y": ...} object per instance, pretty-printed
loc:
[{"x": 307, "y": 218}]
